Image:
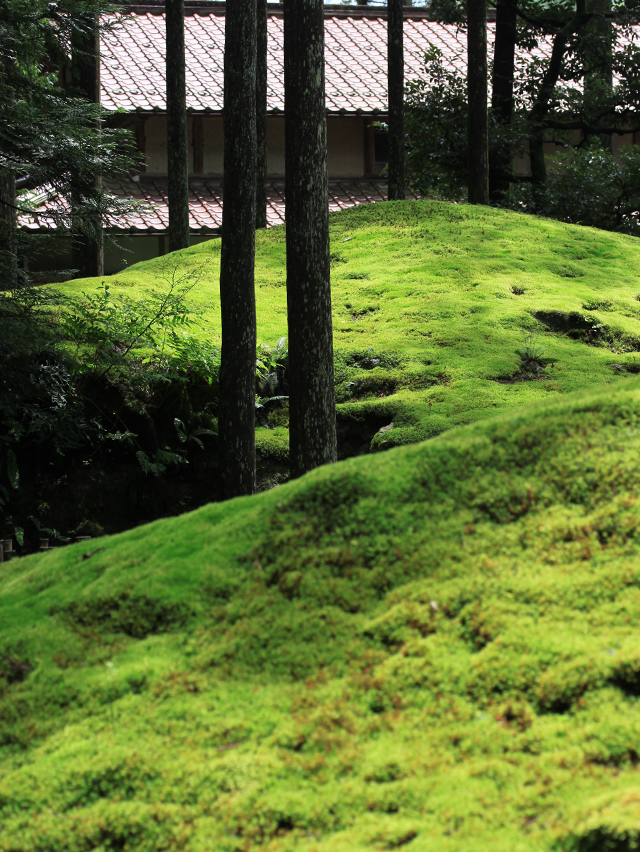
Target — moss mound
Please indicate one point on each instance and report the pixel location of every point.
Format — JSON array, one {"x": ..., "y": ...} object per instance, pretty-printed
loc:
[
  {"x": 435, "y": 648},
  {"x": 436, "y": 310}
]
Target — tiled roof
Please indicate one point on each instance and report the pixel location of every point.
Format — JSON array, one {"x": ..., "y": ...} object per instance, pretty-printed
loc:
[
  {"x": 205, "y": 204},
  {"x": 133, "y": 62}
]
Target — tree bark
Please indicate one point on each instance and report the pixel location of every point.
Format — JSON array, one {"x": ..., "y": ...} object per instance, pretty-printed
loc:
[
  {"x": 261, "y": 117},
  {"x": 236, "y": 415},
  {"x": 395, "y": 59},
  {"x": 502, "y": 95},
  {"x": 540, "y": 106},
  {"x": 8, "y": 231},
  {"x": 312, "y": 429},
  {"x": 86, "y": 227},
  {"x": 600, "y": 46},
  {"x": 177, "y": 139},
  {"x": 478, "y": 119}
]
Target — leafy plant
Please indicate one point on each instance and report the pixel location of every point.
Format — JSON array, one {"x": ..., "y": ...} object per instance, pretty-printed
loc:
[
  {"x": 271, "y": 370},
  {"x": 95, "y": 380},
  {"x": 531, "y": 355},
  {"x": 589, "y": 186}
]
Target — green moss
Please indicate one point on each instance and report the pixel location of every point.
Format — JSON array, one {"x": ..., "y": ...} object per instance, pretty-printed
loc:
[
  {"x": 431, "y": 301},
  {"x": 434, "y": 647}
]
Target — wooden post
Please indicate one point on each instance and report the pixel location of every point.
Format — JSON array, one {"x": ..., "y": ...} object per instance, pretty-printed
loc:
[
  {"x": 312, "y": 420},
  {"x": 177, "y": 137},
  {"x": 198, "y": 145}
]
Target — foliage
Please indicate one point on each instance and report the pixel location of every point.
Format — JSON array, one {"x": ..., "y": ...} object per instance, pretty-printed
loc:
[
  {"x": 435, "y": 124},
  {"x": 101, "y": 381},
  {"x": 530, "y": 354},
  {"x": 90, "y": 379},
  {"x": 571, "y": 104},
  {"x": 452, "y": 623},
  {"x": 271, "y": 374},
  {"x": 50, "y": 140},
  {"x": 589, "y": 186}
]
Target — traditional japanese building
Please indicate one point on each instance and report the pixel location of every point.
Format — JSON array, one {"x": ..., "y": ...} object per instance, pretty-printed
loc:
[{"x": 133, "y": 83}]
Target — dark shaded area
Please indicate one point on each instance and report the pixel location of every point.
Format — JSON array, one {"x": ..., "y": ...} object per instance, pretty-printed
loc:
[{"x": 137, "y": 616}]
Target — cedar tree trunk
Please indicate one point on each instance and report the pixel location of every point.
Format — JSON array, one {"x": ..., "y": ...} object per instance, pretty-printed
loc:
[
  {"x": 312, "y": 424},
  {"x": 395, "y": 58},
  {"x": 237, "y": 414},
  {"x": 8, "y": 231},
  {"x": 261, "y": 117},
  {"x": 87, "y": 236},
  {"x": 177, "y": 140},
  {"x": 601, "y": 38},
  {"x": 478, "y": 120},
  {"x": 540, "y": 107},
  {"x": 502, "y": 95}
]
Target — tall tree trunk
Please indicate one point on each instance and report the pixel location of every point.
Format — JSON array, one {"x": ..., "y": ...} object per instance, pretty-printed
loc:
[
  {"x": 395, "y": 59},
  {"x": 86, "y": 225},
  {"x": 502, "y": 96},
  {"x": 478, "y": 120},
  {"x": 236, "y": 416},
  {"x": 8, "y": 231},
  {"x": 600, "y": 46},
  {"x": 177, "y": 139},
  {"x": 312, "y": 420},
  {"x": 261, "y": 117},
  {"x": 540, "y": 107}
]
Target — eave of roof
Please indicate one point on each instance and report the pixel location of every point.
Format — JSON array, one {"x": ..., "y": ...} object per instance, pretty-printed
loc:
[{"x": 151, "y": 216}]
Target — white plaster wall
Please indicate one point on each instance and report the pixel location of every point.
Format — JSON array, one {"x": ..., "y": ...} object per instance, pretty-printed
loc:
[
  {"x": 345, "y": 145},
  {"x": 155, "y": 144},
  {"x": 213, "y": 145}
]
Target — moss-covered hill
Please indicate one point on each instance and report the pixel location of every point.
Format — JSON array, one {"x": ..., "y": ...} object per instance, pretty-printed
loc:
[
  {"x": 435, "y": 649},
  {"x": 431, "y": 301}
]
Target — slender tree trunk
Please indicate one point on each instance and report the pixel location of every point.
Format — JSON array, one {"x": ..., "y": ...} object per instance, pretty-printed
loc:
[
  {"x": 395, "y": 58},
  {"x": 261, "y": 117},
  {"x": 540, "y": 106},
  {"x": 478, "y": 119},
  {"x": 600, "y": 46},
  {"x": 312, "y": 420},
  {"x": 177, "y": 139},
  {"x": 502, "y": 96},
  {"x": 86, "y": 226},
  {"x": 8, "y": 231},
  {"x": 236, "y": 418}
]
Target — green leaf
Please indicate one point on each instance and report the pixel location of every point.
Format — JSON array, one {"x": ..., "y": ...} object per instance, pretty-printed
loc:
[{"x": 12, "y": 470}]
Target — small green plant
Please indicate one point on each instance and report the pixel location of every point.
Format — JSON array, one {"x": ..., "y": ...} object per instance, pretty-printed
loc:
[
  {"x": 531, "y": 355},
  {"x": 271, "y": 373}
]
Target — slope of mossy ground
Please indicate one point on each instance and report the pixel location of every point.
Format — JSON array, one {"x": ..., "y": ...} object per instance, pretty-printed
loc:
[
  {"x": 431, "y": 300},
  {"x": 435, "y": 649}
]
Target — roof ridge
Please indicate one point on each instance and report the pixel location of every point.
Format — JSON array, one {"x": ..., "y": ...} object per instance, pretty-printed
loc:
[{"x": 215, "y": 7}]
